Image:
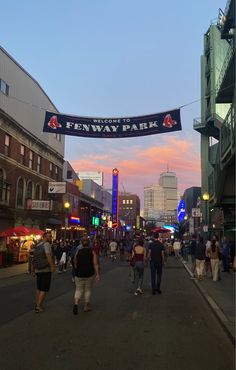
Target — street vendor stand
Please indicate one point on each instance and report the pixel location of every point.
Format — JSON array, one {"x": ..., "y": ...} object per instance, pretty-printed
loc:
[{"x": 18, "y": 241}]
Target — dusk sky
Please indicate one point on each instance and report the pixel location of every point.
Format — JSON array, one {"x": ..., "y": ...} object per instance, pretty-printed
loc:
[{"x": 117, "y": 58}]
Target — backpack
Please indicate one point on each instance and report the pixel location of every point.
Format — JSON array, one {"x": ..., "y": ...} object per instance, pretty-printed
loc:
[{"x": 39, "y": 257}]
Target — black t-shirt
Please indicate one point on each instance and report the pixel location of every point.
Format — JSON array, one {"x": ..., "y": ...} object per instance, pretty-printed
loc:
[
  {"x": 156, "y": 248},
  {"x": 85, "y": 266}
]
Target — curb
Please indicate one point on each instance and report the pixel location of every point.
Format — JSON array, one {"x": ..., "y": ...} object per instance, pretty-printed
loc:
[{"x": 224, "y": 322}]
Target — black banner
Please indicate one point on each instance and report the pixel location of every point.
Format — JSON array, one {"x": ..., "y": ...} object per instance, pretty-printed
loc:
[{"x": 113, "y": 127}]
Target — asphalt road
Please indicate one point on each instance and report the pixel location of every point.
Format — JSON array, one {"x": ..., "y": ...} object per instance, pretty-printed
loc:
[{"x": 174, "y": 330}]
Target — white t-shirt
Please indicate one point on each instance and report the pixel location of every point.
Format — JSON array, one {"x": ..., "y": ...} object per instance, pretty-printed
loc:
[{"x": 113, "y": 246}]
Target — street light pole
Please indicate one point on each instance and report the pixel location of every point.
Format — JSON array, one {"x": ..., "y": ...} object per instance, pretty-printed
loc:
[
  {"x": 206, "y": 197},
  {"x": 66, "y": 207}
]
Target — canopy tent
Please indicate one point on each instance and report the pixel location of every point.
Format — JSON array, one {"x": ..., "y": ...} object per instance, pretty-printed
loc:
[
  {"x": 161, "y": 230},
  {"x": 20, "y": 231}
]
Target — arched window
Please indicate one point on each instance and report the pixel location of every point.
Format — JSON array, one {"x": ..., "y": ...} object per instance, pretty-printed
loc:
[
  {"x": 38, "y": 192},
  {"x": 29, "y": 192},
  {"x": 20, "y": 193},
  {"x": 1, "y": 185}
]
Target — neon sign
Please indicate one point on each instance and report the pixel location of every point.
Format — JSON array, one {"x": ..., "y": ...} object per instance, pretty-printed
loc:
[
  {"x": 115, "y": 182},
  {"x": 75, "y": 220},
  {"x": 181, "y": 210}
]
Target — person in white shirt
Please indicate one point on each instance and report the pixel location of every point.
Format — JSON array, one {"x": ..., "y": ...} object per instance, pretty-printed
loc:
[
  {"x": 176, "y": 247},
  {"x": 113, "y": 250}
]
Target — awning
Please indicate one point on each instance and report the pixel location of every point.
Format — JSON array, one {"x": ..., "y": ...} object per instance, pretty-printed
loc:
[{"x": 53, "y": 221}]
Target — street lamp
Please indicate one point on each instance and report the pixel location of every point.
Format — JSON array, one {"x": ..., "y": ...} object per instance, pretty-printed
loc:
[
  {"x": 66, "y": 207},
  {"x": 205, "y": 197}
]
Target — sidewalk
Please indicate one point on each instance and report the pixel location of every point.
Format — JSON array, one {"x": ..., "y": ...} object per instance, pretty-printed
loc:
[
  {"x": 11, "y": 271},
  {"x": 220, "y": 296}
]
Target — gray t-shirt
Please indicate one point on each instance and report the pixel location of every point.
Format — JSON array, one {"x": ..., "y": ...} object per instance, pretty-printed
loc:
[{"x": 48, "y": 249}]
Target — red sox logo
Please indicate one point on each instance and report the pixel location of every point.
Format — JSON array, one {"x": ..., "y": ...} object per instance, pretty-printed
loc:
[
  {"x": 53, "y": 123},
  {"x": 168, "y": 121}
]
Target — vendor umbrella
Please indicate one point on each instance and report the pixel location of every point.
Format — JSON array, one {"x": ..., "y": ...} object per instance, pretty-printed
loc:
[
  {"x": 16, "y": 231},
  {"x": 161, "y": 230},
  {"x": 36, "y": 231}
]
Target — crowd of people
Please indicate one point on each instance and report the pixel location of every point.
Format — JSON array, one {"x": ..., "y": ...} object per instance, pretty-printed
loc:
[{"x": 83, "y": 257}]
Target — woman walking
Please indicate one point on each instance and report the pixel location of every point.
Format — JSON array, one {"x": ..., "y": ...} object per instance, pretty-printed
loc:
[
  {"x": 139, "y": 256},
  {"x": 86, "y": 269},
  {"x": 214, "y": 254},
  {"x": 200, "y": 257}
]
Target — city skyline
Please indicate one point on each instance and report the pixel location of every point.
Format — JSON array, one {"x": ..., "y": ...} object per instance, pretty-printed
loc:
[{"x": 96, "y": 67}]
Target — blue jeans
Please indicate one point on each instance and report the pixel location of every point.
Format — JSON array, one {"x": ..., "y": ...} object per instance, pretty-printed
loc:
[
  {"x": 156, "y": 273},
  {"x": 138, "y": 274}
]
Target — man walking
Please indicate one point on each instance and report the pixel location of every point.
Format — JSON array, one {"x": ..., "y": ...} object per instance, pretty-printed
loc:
[
  {"x": 157, "y": 260},
  {"x": 43, "y": 268}
]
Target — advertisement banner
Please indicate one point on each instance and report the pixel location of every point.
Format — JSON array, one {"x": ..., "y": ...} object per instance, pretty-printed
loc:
[
  {"x": 152, "y": 124},
  {"x": 57, "y": 187}
]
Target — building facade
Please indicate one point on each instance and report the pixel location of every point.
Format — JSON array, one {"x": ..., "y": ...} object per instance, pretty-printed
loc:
[
  {"x": 129, "y": 210},
  {"x": 29, "y": 158},
  {"x": 217, "y": 125},
  {"x": 161, "y": 198}
]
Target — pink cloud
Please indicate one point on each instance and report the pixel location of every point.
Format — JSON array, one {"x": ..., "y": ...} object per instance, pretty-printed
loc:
[{"x": 142, "y": 167}]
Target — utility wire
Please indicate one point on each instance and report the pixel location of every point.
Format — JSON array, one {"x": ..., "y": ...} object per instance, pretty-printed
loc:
[{"x": 181, "y": 106}]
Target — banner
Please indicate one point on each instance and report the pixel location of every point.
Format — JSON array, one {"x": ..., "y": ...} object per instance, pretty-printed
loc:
[{"x": 152, "y": 124}]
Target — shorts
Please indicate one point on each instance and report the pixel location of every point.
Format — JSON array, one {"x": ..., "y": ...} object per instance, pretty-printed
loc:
[{"x": 43, "y": 281}]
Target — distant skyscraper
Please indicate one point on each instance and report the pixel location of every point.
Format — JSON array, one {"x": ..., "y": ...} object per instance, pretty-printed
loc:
[{"x": 162, "y": 197}]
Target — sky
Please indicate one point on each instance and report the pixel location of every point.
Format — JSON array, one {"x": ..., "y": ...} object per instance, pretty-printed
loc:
[{"x": 118, "y": 58}]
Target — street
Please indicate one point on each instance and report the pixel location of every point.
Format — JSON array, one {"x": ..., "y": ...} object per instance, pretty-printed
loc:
[{"x": 174, "y": 330}]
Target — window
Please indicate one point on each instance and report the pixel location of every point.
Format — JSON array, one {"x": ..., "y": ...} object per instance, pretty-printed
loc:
[
  {"x": 1, "y": 185},
  {"x": 22, "y": 154},
  {"x": 31, "y": 157},
  {"x": 29, "y": 192},
  {"x": 38, "y": 163},
  {"x": 127, "y": 201},
  {"x": 4, "y": 87},
  {"x": 20, "y": 193},
  {"x": 50, "y": 166},
  {"x": 7, "y": 145},
  {"x": 38, "y": 192},
  {"x": 131, "y": 201},
  {"x": 123, "y": 201},
  {"x": 56, "y": 172}
]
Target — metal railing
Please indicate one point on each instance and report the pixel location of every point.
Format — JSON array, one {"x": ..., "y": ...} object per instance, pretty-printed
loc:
[
  {"x": 227, "y": 133},
  {"x": 224, "y": 67}
]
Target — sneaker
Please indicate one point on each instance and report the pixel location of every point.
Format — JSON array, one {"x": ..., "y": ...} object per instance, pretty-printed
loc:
[
  {"x": 159, "y": 291},
  {"x": 38, "y": 309},
  {"x": 87, "y": 307},
  {"x": 136, "y": 293},
  {"x": 75, "y": 309},
  {"x": 139, "y": 290}
]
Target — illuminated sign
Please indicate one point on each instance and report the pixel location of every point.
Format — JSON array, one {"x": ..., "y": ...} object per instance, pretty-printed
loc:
[
  {"x": 95, "y": 221},
  {"x": 181, "y": 210},
  {"x": 115, "y": 194},
  {"x": 75, "y": 220}
]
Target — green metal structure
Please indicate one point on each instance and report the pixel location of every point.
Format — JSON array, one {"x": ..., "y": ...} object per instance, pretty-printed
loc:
[{"x": 217, "y": 123}]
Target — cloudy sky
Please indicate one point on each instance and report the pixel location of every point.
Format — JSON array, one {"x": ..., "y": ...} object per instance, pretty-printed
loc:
[{"x": 117, "y": 58}]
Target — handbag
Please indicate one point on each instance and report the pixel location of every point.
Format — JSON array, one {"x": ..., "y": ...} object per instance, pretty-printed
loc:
[
  {"x": 132, "y": 261},
  {"x": 63, "y": 258}
]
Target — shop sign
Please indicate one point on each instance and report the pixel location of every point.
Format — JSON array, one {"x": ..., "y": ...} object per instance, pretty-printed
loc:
[
  {"x": 57, "y": 187},
  {"x": 196, "y": 212},
  {"x": 41, "y": 205}
]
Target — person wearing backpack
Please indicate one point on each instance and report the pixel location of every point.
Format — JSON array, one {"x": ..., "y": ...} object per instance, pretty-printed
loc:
[{"x": 43, "y": 268}]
